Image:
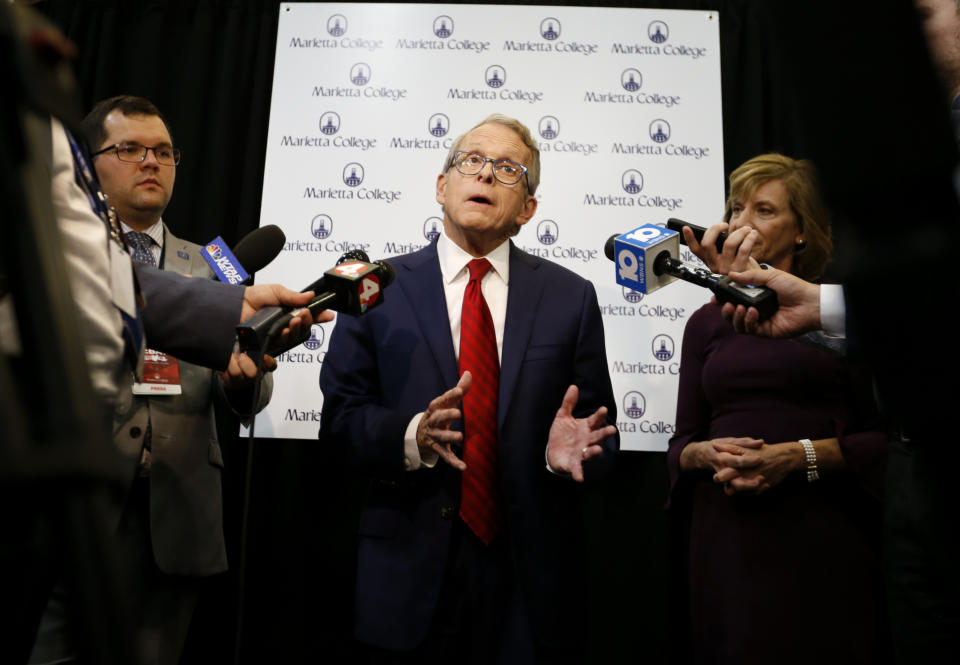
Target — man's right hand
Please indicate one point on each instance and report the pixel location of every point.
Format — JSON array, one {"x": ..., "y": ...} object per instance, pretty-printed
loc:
[
  {"x": 799, "y": 309},
  {"x": 434, "y": 433}
]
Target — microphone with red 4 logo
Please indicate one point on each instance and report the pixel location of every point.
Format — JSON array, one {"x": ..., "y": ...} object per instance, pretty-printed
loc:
[{"x": 354, "y": 286}]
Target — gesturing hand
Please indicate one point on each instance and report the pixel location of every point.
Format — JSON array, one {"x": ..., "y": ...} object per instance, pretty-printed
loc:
[
  {"x": 574, "y": 440},
  {"x": 434, "y": 433}
]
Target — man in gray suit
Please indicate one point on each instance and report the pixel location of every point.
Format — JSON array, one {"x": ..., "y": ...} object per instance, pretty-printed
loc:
[{"x": 171, "y": 527}]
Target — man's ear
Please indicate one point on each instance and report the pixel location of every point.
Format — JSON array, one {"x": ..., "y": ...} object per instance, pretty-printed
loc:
[
  {"x": 529, "y": 208},
  {"x": 442, "y": 189}
]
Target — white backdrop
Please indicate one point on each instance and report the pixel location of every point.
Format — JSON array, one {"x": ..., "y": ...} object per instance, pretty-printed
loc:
[{"x": 625, "y": 105}]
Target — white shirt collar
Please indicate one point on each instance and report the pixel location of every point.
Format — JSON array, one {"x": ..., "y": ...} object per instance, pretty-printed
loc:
[{"x": 454, "y": 260}]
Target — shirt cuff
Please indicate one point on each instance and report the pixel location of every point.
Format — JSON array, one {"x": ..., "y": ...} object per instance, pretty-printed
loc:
[
  {"x": 833, "y": 315},
  {"x": 546, "y": 460},
  {"x": 411, "y": 451}
]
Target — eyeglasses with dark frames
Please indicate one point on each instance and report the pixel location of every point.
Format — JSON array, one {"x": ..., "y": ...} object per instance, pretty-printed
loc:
[
  {"x": 134, "y": 153},
  {"x": 506, "y": 171}
]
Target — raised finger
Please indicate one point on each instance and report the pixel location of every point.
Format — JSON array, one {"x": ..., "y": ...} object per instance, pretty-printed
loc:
[
  {"x": 598, "y": 417},
  {"x": 691, "y": 239},
  {"x": 446, "y": 400},
  {"x": 445, "y": 437},
  {"x": 448, "y": 456},
  {"x": 569, "y": 401},
  {"x": 441, "y": 418}
]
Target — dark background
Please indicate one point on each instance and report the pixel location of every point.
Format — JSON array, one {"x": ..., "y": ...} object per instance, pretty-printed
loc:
[{"x": 851, "y": 89}]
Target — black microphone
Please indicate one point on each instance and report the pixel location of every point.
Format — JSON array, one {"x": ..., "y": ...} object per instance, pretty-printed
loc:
[
  {"x": 255, "y": 250},
  {"x": 644, "y": 264},
  {"x": 353, "y": 286},
  {"x": 258, "y": 248},
  {"x": 675, "y": 224}
]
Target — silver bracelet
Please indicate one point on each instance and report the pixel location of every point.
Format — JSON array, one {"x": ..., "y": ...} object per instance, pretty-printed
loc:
[{"x": 812, "y": 473}]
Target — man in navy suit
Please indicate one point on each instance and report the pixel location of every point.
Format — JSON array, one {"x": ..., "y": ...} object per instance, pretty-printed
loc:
[{"x": 448, "y": 572}]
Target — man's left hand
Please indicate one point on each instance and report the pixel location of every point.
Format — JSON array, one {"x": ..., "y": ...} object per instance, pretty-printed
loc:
[
  {"x": 574, "y": 440},
  {"x": 241, "y": 371},
  {"x": 273, "y": 295}
]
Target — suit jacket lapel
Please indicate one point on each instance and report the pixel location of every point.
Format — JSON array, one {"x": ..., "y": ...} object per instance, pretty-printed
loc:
[
  {"x": 423, "y": 287},
  {"x": 182, "y": 256},
  {"x": 523, "y": 303}
]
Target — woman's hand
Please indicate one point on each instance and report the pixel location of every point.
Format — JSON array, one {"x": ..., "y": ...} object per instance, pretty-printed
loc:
[
  {"x": 732, "y": 453},
  {"x": 736, "y": 249},
  {"x": 774, "y": 463}
]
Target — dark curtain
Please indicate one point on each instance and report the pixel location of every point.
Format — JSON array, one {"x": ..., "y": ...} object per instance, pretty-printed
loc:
[{"x": 803, "y": 78}]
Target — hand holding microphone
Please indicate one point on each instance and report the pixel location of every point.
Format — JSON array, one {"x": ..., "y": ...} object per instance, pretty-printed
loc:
[
  {"x": 721, "y": 253},
  {"x": 646, "y": 260},
  {"x": 353, "y": 286}
]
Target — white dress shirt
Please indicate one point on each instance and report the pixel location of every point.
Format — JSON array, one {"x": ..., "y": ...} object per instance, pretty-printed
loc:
[{"x": 494, "y": 286}]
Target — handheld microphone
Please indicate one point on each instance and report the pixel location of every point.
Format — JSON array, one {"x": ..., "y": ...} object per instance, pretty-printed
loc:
[
  {"x": 255, "y": 250},
  {"x": 675, "y": 224},
  {"x": 258, "y": 248},
  {"x": 646, "y": 260},
  {"x": 353, "y": 286}
]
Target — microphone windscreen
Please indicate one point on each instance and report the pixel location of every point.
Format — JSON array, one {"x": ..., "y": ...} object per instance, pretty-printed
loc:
[
  {"x": 608, "y": 246},
  {"x": 387, "y": 274},
  {"x": 259, "y": 247}
]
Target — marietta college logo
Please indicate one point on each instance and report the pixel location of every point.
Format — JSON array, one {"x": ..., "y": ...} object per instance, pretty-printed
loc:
[
  {"x": 360, "y": 73},
  {"x": 548, "y": 232},
  {"x": 321, "y": 227},
  {"x": 316, "y": 338},
  {"x": 495, "y": 76},
  {"x": 662, "y": 347},
  {"x": 634, "y": 404},
  {"x": 549, "y": 127},
  {"x": 549, "y": 28},
  {"x": 658, "y": 32},
  {"x": 438, "y": 125},
  {"x": 443, "y": 26},
  {"x": 631, "y": 79},
  {"x": 632, "y": 181},
  {"x": 352, "y": 174},
  {"x": 330, "y": 123},
  {"x": 632, "y": 296},
  {"x": 432, "y": 228},
  {"x": 337, "y": 25},
  {"x": 660, "y": 131}
]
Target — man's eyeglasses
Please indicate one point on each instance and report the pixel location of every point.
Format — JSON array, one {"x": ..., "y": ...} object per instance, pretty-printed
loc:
[
  {"x": 134, "y": 153},
  {"x": 506, "y": 171}
]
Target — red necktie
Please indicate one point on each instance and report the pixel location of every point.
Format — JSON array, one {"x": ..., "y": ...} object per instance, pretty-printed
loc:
[{"x": 480, "y": 506}]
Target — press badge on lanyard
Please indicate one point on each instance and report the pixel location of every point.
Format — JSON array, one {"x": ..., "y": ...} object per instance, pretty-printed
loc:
[{"x": 161, "y": 375}]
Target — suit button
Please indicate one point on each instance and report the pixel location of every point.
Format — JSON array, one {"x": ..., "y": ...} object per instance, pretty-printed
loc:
[
  {"x": 447, "y": 512},
  {"x": 134, "y": 432}
]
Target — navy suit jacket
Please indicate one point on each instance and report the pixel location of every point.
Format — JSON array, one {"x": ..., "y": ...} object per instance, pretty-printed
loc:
[{"x": 385, "y": 367}]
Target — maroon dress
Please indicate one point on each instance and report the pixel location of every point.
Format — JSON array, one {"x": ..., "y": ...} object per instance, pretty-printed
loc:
[{"x": 792, "y": 575}]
